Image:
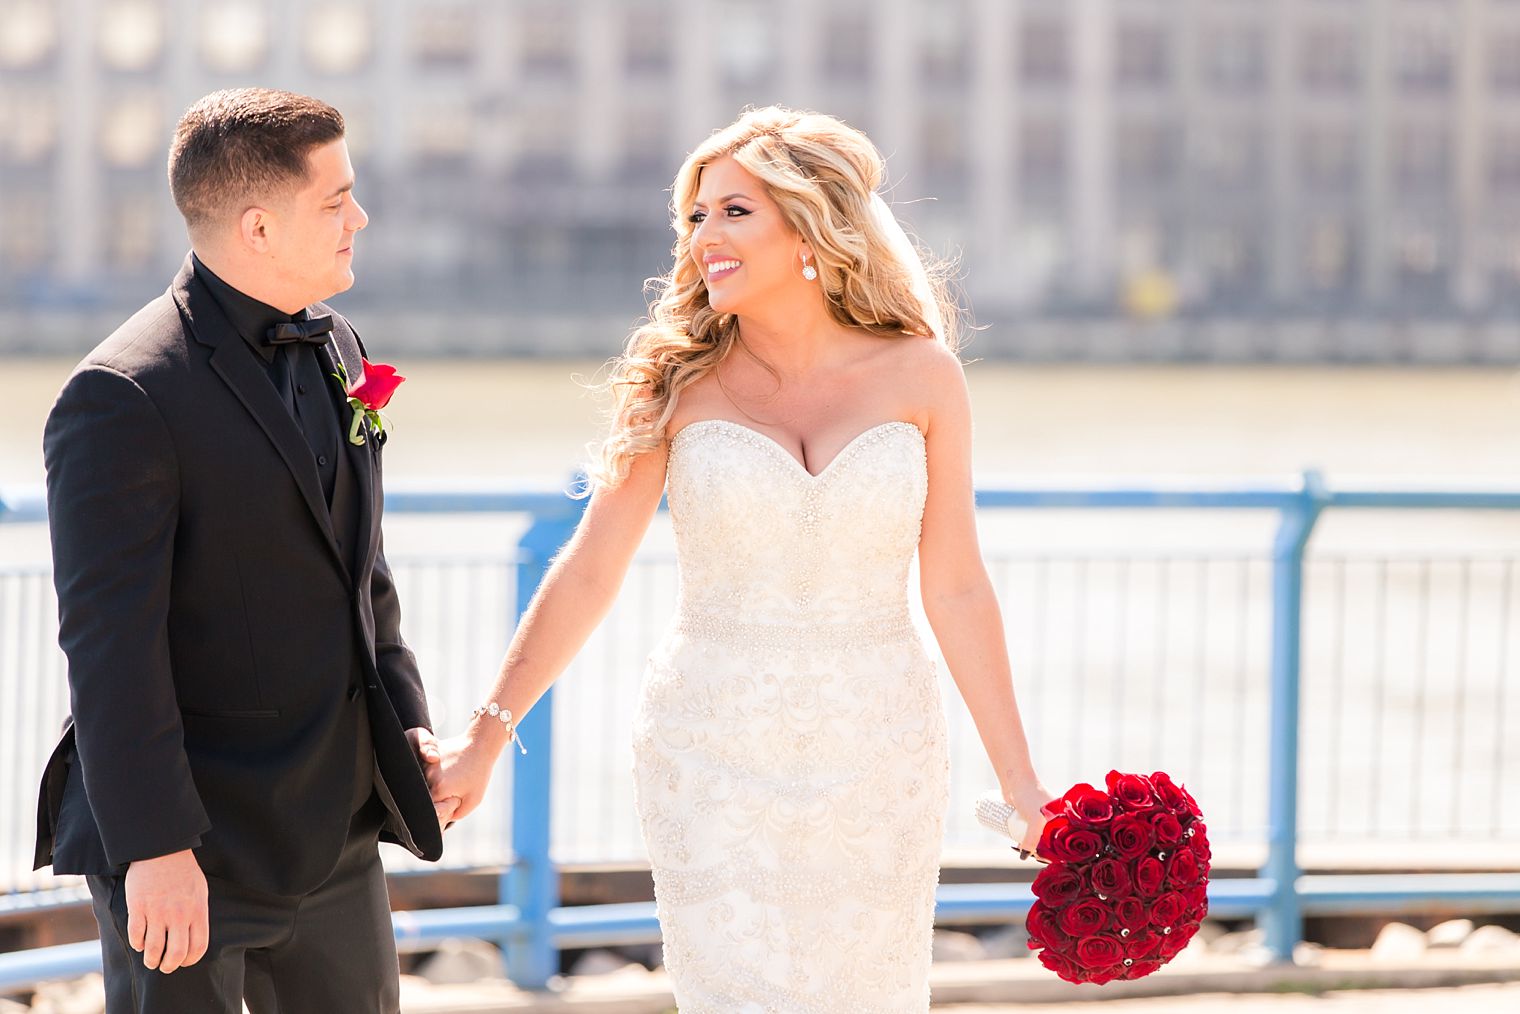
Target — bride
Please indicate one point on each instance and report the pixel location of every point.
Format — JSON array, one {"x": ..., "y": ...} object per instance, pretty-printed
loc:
[{"x": 797, "y": 396}]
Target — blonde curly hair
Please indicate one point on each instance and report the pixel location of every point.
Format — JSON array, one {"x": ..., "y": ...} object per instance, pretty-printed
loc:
[{"x": 822, "y": 174}]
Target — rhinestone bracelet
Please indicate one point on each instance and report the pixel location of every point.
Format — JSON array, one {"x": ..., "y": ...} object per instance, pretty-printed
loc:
[{"x": 503, "y": 716}]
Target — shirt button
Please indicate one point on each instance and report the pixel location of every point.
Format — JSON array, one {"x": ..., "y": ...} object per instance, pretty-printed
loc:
[
  {"x": 322, "y": 459},
  {"x": 300, "y": 389}
]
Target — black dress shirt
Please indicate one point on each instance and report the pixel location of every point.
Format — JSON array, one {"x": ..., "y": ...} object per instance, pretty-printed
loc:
[{"x": 293, "y": 369}]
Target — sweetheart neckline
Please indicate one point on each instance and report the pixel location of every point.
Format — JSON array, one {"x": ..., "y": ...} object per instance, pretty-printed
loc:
[{"x": 781, "y": 450}]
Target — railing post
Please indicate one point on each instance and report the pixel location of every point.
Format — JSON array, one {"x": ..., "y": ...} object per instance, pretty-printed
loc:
[
  {"x": 1283, "y": 918},
  {"x": 532, "y": 881}
]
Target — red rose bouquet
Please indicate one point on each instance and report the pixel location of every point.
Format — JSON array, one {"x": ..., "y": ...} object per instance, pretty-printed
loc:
[{"x": 1126, "y": 885}]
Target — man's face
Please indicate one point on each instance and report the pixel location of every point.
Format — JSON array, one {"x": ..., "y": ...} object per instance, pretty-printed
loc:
[{"x": 311, "y": 235}]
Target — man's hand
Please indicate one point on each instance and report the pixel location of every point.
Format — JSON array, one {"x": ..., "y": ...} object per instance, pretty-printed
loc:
[
  {"x": 425, "y": 746},
  {"x": 166, "y": 911}
]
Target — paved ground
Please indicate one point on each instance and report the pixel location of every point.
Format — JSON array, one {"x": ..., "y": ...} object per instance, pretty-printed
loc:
[{"x": 1466, "y": 999}]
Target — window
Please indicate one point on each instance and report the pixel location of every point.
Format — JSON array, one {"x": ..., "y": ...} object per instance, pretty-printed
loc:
[
  {"x": 1042, "y": 51},
  {"x": 443, "y": 132},
  {"x": 748, "y": 43},
  {"x": 1230, "y": 153},
  {"x": 131, "y": 34},
  {"x": 1143, "y": 55},
  {"x": 1234, "y": 57},
  {"x": 1504, "y": 159},
  {"x": 1504, "y": 62},
  {"x": 28, "y": 127},
  {"x": 131, "y": 231},
  {"x": 1042, "y": 150},
  {"x": 544, "y": 142},
  {"x": 1327, "y": 255},
  {"x": 131, "y": 134},
  {"x": 546, "y": 35},
  {"x": 1146, "y": 151},
  {"x": 647, "y": 149},
  {"x": 1327, "y": 155},
  {"x": 647, "y": 38},
  {"x": 847, "y": 45},
  {"x": 945, "y": 53},
  {"x": 28, "y": 34},
  {"x": 443, "y": 34},
  {"x": 26, "y": 240},
  {"x": 1328, "y": 59},
  {"x": 1421, "y": 154},
  {"x": 943, "y": 143},
  {"x": 338, "y": 37},
  {"x": 1422, "y": 58},
  {"x": 234, "y": 36}
]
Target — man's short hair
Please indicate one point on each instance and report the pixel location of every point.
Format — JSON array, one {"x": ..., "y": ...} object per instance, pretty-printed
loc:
[{"x": 238, "y": 147}]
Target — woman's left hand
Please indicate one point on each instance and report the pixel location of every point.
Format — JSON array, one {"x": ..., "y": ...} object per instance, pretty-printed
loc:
[{"x": 1031, "y": 800}]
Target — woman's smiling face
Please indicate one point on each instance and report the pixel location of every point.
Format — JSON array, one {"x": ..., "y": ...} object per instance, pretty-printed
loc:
[{"x": 743, "y": 247}]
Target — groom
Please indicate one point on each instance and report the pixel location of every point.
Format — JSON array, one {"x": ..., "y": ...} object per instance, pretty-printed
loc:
[{"x": 247, "y": 720}]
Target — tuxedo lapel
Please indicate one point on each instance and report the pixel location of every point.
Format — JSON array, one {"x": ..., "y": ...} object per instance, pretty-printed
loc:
[
  {"x": 232, "y": 361},
  {"x": 359, "y": 455}
]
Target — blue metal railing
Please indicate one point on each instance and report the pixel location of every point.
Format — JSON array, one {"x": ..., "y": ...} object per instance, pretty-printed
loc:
[{"x": 532, "y": 926}]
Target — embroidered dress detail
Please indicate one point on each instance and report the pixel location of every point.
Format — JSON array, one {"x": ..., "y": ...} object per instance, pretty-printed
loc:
[{"x": 790, "y": 756}]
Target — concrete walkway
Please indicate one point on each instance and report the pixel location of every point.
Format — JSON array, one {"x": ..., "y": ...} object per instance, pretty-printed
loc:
[{"x": 1339, "y": 982}]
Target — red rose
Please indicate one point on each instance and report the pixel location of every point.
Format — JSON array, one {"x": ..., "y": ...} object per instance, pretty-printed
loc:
[
  {"x": 1130, "y": 913},
  {"x": 1182, "y": 869},
  {"x": 1141, "y": 969},
  {"x": 1062, "y": 967},
  {"x": 375, "y": 388},
  {"x": 1070, "y": 844},
  {"x": 1198, "y": 841},
  {"x": 1044, "y": 929},
  {"x": 1149, "y": 876},
  {"x": 1101, "y": 975},
  {"x": 1054, "y": 826},
  {"x": 1132, "y": 836},
  {"x": 1173, "y": 942},
  {"x": 1167, "y": 909},
  {"x": 1197, "y": 896},
  {"x": 1088, "y": 806},
  {"x": 1057, "y": 885},
  {"x": 1099, "y": 951},
  {"x": 1131, "y": 792},
  {"x": 1085, "y": 918},
  {"x": 1110, "y": 878},
  {"x": 1142, "y": 946},
  {"x": 1167, "y": 791},
  {"x": 1190, "y": 802},
  {"x": 1168, "y": 828}
]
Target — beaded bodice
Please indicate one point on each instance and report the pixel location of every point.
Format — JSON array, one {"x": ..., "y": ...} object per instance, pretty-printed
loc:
[{"x": 760, "y": 537}]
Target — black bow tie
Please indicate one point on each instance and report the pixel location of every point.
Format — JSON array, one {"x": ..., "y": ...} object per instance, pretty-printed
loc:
[{"x": 313, "y": 331}]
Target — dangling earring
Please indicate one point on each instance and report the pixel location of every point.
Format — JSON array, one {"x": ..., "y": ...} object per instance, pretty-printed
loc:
[{"x": 808, "y": 271}]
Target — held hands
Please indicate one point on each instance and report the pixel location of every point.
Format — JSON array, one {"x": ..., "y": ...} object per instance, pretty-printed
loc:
[
  {"x": 166, "y": 911},
  {"x": 425, "y": 745},
  {"x": 463, "y": 772}
]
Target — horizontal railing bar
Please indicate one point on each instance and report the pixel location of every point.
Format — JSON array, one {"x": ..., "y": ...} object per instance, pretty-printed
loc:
[
  {"x": 604, "y": 925},
  {"x": 28, "y": 503},
  {"x": 49, "y": 898},
  {"x": 1412, "y": 893},
  {"x": 430, "y": 925},
  {"x": 65, "y": 961}
]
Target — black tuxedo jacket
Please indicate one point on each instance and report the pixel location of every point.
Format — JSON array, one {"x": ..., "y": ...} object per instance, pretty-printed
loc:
[{"x": 222, "y": 646}]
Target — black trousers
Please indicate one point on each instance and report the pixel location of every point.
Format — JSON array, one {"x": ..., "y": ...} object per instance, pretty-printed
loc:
[{"x": 331, "y": 951}]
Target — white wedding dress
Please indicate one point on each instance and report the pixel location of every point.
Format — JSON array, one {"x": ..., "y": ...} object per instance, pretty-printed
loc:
[{"x": 790, "y": 757}]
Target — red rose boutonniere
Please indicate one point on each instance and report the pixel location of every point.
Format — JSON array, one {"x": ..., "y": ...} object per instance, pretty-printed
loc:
[{"x": 368, "y": 395}]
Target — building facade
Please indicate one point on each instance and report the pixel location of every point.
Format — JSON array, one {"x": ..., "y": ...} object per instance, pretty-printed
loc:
[{"x": 1088, "y": 160}]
